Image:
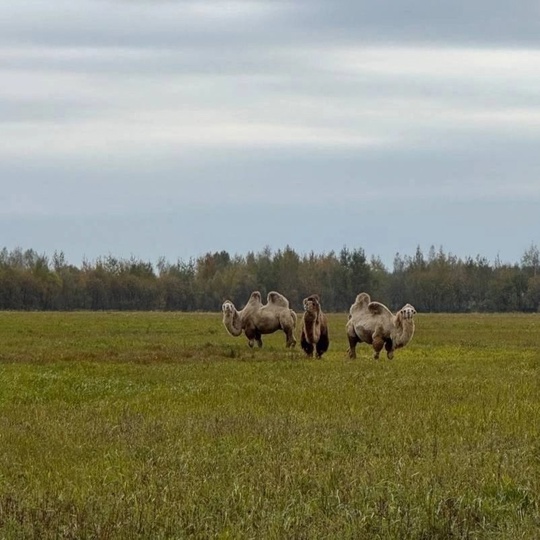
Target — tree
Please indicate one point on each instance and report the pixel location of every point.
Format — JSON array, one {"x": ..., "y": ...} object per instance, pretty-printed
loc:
[
  {"x": 438, "y": 282},
  {"x": 531, "y": 259}
]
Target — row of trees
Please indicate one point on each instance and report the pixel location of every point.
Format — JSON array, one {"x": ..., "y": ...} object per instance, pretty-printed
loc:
[{"x": 435, "y": 281}]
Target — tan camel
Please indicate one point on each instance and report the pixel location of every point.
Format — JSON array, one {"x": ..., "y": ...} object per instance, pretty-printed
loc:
[
  {"x": 314, "y": 327},
  {"x": 373, "y": 323},
  {"x": 257, "y": 318}
]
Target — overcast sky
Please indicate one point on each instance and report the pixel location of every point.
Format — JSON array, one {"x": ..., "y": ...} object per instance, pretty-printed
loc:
[{"x": 155, "y": 128}]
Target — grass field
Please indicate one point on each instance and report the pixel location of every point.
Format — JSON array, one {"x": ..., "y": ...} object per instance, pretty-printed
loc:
[{"x": 161, "y": 425}]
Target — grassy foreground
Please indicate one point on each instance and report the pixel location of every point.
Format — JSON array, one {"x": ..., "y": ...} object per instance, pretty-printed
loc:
[{"x": 161, "y": 425}]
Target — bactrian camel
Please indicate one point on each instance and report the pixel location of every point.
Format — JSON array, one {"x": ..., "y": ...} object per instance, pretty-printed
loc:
[
  {"x": 256, "y": 318},
  {"x": 373, "y": 323}
]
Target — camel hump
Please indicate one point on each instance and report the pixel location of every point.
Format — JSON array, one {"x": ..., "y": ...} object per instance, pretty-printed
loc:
[
  {"x": 255, "y": 297},
  {"x": 362, "y": 300},
  {"x": 376, "y": 308},
  {"x": 277, "y": 299}
]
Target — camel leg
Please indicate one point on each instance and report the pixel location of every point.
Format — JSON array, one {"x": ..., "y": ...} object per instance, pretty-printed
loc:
[
  {"x": 291, "y": 341},
  {"x": 389, "y": 346},
  {"x": 253, "y": 337},
  {"x": 322, "y": 345},
  {"x": 307, "y": 347},
  {"x": 378, "y": 344},
  {"x": 353, "y": 340}
]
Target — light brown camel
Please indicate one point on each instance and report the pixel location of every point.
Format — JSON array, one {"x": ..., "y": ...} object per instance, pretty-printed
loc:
[
  {"x": 257, "y": 318},
  {"x": 373, "y": 323},
  {"x": 314, "y": 327}
]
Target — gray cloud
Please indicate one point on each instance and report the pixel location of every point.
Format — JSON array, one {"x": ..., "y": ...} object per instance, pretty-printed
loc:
[
  {"x": 474, "y": 23},
  {"x": 228, "y": 24},
  {"x": 137, "y": 24},
  {"x": 139, "y": 117},
  {"x": 461, "y": 173}
]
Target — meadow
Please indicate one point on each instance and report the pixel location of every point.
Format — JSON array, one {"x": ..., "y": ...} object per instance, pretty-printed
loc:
[{"x": 161, "y": 425}]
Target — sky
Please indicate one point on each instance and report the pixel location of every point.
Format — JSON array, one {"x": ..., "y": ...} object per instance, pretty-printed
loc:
[{"x": 155, "y": 128}]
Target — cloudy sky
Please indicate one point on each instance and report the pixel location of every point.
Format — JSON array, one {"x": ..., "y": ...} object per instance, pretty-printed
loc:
[{"x": 153, "y": 128}]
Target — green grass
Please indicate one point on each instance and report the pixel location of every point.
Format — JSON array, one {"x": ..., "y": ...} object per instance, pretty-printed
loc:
[{"x": 161, "y": 425}]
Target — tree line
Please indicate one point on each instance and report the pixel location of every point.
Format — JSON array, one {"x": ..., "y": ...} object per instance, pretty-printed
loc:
[{"x": 433, "y": 282}]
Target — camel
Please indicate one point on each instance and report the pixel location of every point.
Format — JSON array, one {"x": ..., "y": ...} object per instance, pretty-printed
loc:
[
  {"x": 373, "y": 323},
  {"x": 257, "y": 318},
  {"x": 314, "y": 327}
]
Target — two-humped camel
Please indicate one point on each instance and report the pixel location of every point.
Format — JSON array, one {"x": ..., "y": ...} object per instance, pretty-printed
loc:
[
  {"x": 256, "y": 318},
  {"x": 373, "y": 323},
  {"x": 314, "y": 336}
]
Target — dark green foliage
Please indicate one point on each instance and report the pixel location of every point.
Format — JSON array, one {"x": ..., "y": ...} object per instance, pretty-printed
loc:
[{"x": 438, "y": 282}]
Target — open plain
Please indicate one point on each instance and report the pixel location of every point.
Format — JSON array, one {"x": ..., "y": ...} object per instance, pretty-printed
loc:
[{"x": 161, "y": 425}]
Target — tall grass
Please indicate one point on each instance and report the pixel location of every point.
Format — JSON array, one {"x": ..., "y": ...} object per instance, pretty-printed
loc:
[{"x": 161, "y": 425}]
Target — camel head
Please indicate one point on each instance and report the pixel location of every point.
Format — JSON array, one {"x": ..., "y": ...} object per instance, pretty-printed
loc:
[
  {"x": 312, "y": 303},
  {"x": 231, "y": 318},
  {"x": 228, "y": 308},
  {"x": 407, "y": 312}
]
